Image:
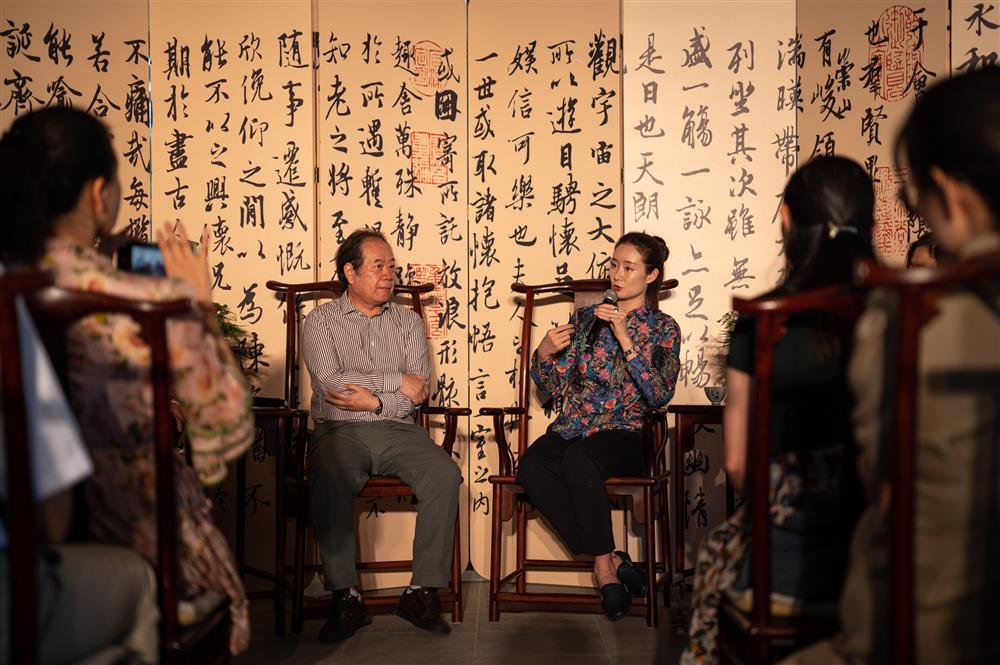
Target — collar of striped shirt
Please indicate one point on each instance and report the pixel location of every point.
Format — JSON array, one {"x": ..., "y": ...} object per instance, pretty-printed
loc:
[{"x": 346, "y": 306}]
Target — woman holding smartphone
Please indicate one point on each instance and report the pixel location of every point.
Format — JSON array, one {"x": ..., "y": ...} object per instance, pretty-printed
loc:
[{"x": 58, "y": 178}]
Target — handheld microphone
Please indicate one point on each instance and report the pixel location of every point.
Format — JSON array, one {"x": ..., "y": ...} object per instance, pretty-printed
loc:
[{"x": 610, "y": 298}]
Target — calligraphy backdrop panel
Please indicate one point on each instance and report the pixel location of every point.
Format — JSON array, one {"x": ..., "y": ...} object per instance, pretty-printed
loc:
[
  {"x": 390, "y": 93},
  {"x": 74, "y": 54},
  {"x": 235, "y": 110},
  {"x": 864, "y": 64},
  {"x": 710, "y": 137},
  {"x": 232, "y": 148},
  {"x": 975, "y": 35},
  {"x": 544, "y": 196}
]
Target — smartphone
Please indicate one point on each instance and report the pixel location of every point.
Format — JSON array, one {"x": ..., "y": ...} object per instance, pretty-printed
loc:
[{"x": 143, "y": 258}]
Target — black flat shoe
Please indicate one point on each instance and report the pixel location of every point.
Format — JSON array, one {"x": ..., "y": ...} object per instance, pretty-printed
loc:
[
  {"x": 615, "y": 601},
  {"x": 632, "y": 576}
]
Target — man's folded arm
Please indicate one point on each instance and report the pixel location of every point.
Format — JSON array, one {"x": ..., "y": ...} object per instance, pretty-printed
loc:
[{"x": 318, "y": 350}]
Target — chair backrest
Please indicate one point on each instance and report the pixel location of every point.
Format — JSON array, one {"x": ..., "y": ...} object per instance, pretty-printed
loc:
[
  {"x": 19, "y": 518},
  {"x": 583, "y": 292},
  {"x": 54, "y": 311},
  {"x": 295, "y": 294},
  {"x": 917, "y": 291},
  {"x": 771, "y": 314}
]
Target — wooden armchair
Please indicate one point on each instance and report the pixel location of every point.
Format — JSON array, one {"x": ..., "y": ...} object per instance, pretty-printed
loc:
[
  {"x": 292, "y": 486},
  {"x": 758, "y": 637},
  {"x": 54, "y": 311},
  {"x": 20, "y": 518},
  {"x": 917, "y": 291},
  {"x": 642, "y": 490}
]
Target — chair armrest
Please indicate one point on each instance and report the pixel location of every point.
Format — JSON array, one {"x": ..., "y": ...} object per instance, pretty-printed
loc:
[
  {"x": 502, "y": 411},
  {"x": 451, "y": 415},
  {"x": 278, "y": 412},
  {"x": 447, "y": 410},
  {"x": 504, "y": 454}
]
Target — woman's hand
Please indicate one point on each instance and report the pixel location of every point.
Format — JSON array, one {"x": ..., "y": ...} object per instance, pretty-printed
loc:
[
  {"x": 555, "y": 340},
  {"x": 186, "y": 263},
  {"x": 616, "y": 318}
]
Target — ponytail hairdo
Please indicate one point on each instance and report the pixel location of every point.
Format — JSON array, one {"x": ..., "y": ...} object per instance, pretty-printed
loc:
[
  {"x": 46, "y": 158},
  {"x": 831, "y": 203},
  {"x": 654, "y": 252}
]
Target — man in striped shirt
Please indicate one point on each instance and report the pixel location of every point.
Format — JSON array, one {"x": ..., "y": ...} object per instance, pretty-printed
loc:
[{"x": 368, "y": 361}]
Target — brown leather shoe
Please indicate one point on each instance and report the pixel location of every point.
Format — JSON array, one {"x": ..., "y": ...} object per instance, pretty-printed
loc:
[
  {"x": 422, "y": 608},
  {"x": 347, "y": 614}
]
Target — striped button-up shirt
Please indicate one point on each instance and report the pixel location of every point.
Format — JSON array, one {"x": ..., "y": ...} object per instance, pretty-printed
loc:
[{"x": 341, "y": 345}]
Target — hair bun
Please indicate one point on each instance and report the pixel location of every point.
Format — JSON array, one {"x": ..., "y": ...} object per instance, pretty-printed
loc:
[{"x": 662, "y": 244}]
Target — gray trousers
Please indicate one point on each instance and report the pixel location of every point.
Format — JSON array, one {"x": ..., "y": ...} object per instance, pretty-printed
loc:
[
  {"x": 343, "y": 456},
  {"x": 95, "y": 602}
]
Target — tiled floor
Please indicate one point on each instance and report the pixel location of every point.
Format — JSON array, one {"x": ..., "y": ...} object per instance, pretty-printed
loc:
[{"x": 519, "y": 638}]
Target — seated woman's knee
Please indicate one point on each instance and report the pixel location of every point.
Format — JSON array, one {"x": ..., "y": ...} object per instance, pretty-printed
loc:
[{"x": 579, "y": 467}]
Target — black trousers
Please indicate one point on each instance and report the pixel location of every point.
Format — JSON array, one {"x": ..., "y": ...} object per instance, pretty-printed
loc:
[{"x": 564, "y": 479}]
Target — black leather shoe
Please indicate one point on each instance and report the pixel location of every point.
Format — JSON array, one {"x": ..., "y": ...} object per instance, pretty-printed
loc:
[
  {"x": 422, "y": 608},
  {"x": 632, "y": 576},
  {"x": 347, "y": 614},
  {"x": 615, "y": 601}
]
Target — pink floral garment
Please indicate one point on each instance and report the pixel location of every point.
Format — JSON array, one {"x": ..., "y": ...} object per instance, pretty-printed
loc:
[{"x": 112, "y": 397}]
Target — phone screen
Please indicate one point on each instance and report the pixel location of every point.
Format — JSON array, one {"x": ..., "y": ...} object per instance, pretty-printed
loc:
[{"x": 141, "y": 258}]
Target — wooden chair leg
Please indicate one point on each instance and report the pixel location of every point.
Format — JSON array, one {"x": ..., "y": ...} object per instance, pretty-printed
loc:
[
  {"x": 280, "y": 530},
  {"x": 496, "y": 552},
  {"x": 521, "y": 546},
  {"x": 299, "y": 572},
  {"x": 677, "y": 485},
  {"x": 456, "y": 574},
  {"x": 651, "y": 607},
  {"x": 664, "y": 527}
]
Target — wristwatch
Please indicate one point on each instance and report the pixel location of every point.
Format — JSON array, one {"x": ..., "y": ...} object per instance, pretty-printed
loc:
[{"x": 378, "y": 409}]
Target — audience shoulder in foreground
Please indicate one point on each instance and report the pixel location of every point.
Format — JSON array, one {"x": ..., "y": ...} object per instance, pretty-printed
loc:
[
  {"x": 56, "y": 221},
  {"x": 951, "y": 146}
]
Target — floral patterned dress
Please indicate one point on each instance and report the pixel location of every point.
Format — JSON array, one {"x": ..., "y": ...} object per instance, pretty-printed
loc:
[
  {"x": 590, "y": 381},
  {"x": 112, "y": 397}
]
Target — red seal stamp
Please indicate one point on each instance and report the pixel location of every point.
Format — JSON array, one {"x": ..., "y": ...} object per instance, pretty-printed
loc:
[
  {"x": 427, "y": 63},
  {"x": 428, "y": 159},
  {"x": 424, "y": 273},
  {"x": 891, "y": 236},
  {"x": 897, "y": 49}
]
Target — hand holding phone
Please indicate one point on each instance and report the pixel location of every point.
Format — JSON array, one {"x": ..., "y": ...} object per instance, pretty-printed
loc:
[
  {"x": 142, "y": 258},
  {"x": 182, "y": 261}
]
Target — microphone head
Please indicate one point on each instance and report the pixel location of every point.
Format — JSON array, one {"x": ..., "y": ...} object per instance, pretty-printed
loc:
[{"x": 610, "y": 297}]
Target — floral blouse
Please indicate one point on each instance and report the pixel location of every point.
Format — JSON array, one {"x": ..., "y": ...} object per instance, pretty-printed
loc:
[
  {"x": 112, "y": 397},
  {"x": 599, "y": 389}
]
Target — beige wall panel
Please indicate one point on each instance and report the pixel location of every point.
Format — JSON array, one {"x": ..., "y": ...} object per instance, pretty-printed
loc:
[
  {"x": 975, "y": 36},
  {"x": 709, "y": 140},
  {"x": 391, "y": 109},
  {"x": 864, "y": 63},
  {"x": 542, "y": 75},
  {"x": 233, "y": 148},
  {"x": 90, "y": 55}
]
